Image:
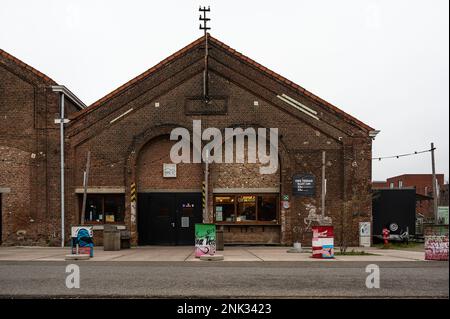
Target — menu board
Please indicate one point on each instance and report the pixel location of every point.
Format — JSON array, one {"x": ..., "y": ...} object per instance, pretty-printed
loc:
[{"x": 304, "y": 185}]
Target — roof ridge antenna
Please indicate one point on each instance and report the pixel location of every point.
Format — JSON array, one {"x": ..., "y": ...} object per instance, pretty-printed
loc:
[{"x": 205, "y": 28}]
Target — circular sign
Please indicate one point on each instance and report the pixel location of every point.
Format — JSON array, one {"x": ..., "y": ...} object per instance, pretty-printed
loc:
[{"x": 393, "y": 227}]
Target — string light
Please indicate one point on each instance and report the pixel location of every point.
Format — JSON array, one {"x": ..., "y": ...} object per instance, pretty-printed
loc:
[{"x": 402, "y": 155}]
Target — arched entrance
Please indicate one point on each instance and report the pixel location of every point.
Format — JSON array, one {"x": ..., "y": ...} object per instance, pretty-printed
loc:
[{"x": 169, "y": 196}]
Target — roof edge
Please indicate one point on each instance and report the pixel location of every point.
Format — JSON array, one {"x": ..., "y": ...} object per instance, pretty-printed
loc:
[
  {"x": 27, "y": 67},
  {"x": 352, "y": 120},
  {"x": 64, "y": 90},
  {"x": 137, "y": 78},
  {"x": 293, "y": 85}
]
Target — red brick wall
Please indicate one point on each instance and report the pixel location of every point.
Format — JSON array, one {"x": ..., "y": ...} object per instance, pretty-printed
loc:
[
  {"x": 119, "y": 149},
  {"x": 150, "y": 169},
  {"x": 29, "y": 155},
  {"x": 422, "y": 182},
  {"x": 302, "y": 139}
]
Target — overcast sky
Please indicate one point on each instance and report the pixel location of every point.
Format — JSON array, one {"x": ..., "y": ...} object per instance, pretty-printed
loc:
[{"x": 384, "y": 62}]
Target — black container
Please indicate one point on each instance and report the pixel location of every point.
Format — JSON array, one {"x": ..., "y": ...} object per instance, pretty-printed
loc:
[{"x": 394, "y": 209}]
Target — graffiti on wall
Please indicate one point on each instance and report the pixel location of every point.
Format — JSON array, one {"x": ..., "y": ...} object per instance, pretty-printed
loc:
[
  {"x": 205, "y": 239},
  {"x": 436, "y": 247}
]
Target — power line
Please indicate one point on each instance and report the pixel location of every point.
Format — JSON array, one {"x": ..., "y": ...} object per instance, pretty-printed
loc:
[{"x": 403, "y": 155}]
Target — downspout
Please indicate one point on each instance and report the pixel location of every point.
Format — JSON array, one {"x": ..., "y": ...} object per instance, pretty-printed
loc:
[
  {"x": 61, "y": 121},
  {"x": 61, "y": 127}
]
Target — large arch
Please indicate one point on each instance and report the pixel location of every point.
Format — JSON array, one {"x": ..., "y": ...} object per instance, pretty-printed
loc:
[{"x": 149, "y": 151}]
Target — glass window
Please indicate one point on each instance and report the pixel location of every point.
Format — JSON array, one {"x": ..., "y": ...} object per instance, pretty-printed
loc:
[
  {"x": 94, "y": 209},
  {"x": 224, "y": 208},
  {"x": 267, "y": 208},
  {"x": 104, "y": 208},
  {"x": 113, "y": 208},
  {"x": 246, "y": 208}
]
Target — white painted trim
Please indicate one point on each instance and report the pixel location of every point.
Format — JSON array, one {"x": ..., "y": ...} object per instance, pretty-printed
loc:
[
  {"x": 5, "y": 190},
  {"x": 298, "y": 103},
  {"x": 101, "y": 227},
  {"x": 120, "y": 116},
  {"x": 62, "y": 89},
  {"x": 246, "y": 190},
  {"x": 298, "y": 107},
  {"x": 101, "y": 190}
]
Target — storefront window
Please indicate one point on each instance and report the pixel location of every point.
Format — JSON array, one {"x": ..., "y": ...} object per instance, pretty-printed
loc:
[
  {"x": 246, "y": 208},
  {"x": 93, "y": 209},
  {"x": 104, "y": 208},
  {"x": 113, "y": 209},
  {"x": 267, "y": 208},
  {"x": 224, "y": 208}
]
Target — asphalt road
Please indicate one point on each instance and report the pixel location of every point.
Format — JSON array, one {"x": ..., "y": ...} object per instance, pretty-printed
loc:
[{"x": 224, "y": 279}]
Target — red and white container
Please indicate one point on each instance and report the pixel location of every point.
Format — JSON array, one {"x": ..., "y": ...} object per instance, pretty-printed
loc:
[{"x": 323, "y": 242}]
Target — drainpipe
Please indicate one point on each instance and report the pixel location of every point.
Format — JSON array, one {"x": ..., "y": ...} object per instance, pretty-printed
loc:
[
  {"x": 61, "y": 121},
  {"x": 61, "y": 128}
]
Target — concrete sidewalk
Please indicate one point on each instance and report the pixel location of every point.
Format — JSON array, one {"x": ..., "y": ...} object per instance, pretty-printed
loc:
[{"x": 186, "y": 253}]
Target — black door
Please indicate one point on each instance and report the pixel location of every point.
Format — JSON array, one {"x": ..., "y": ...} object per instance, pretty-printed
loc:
[{"x": 168, "y": 218}]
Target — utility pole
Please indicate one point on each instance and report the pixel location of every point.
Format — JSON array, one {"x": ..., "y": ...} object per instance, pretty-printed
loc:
[
  {"x": 85, "y": 184},
  {"x": 205, "y": 28},
  {"x": 435, "y": 195}
]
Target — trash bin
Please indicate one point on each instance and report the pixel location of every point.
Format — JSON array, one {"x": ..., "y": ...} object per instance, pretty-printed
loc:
[
  {"x": 111, "y": 238},
  {"x": 125, "y": 239},
  {"x": 219, "y": 239}
]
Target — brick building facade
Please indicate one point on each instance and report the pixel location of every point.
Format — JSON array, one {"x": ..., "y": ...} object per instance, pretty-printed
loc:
[
  {"x": 127, "y": 134},
  {"x": 29, "y": 154}
]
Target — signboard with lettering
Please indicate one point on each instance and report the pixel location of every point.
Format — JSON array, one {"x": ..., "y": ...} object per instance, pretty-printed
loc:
[
  {"x": 169, "y": 170},
  {"x": 304, "y": 185}
]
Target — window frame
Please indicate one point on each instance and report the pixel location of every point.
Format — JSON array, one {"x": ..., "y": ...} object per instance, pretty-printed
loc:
[
  {"x": 102, "y": 196},
  {"x": 247, "y": 222}
]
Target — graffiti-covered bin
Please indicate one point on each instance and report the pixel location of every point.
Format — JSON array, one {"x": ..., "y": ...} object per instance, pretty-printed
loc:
[
  {"x": 436, "y": 247},
  {"x": 205, "y": 239},
  {"x": 323, "y": 242},
  {"x": 82, "y": 240}
]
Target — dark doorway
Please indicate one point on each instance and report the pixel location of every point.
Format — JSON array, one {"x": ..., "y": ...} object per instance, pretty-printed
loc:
[{"x": 168, "y": 218}]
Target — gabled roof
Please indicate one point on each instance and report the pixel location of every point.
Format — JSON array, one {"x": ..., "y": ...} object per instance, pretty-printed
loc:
[
  {"x": 25, "y": 66},
  {"x": 239, "y": 56}
]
